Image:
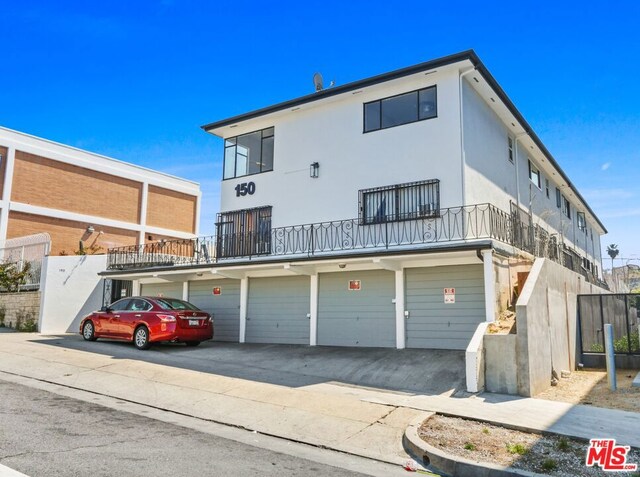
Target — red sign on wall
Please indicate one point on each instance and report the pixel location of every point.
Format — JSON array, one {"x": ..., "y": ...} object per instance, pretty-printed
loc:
[
  {"x": 355, "y": 285},
  {"x": 217, "y": 291}
]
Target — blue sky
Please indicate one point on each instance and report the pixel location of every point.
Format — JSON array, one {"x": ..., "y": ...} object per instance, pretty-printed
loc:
[{"x": 136, "y": 80}]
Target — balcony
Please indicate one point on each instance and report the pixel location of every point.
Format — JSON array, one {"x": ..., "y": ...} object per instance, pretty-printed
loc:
[{"x": 455, "y": 225}]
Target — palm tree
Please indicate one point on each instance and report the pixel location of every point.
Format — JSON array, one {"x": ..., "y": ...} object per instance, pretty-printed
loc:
[{"x": 613, "y": 252}]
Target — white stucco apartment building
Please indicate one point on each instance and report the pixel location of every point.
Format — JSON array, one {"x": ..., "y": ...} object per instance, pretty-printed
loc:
[{"x": 395, "y": 211}]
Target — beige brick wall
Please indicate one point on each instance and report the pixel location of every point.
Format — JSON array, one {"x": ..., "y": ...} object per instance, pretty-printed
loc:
[
  {"x": 53, "y": 184},
  {"x": 66, "y": 234},
  {"x": 171, "y": 210},
  {"x": 24, "y": 304},
  {"x": 3, "y": 167}
]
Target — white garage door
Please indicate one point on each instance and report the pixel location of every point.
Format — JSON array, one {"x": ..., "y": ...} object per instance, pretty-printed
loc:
[
  {"x": 432, "y": 323},
  {"x": 277, "y": 310},
  {"x": 365, "y": 317},
  {"x": 224, "y": 305}
]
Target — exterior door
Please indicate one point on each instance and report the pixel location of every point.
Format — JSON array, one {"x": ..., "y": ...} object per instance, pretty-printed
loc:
[
  {"x": 278, "y": 310},
  {"x": 432, "y": 323},
  {"x": 244, "y": 233},
  {"x": 357, "y": 317}
]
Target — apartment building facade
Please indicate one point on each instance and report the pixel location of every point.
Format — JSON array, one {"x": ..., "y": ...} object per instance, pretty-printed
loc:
[
  {"x": 89, "y": 203},
  {"x": 394, "y": 211}
]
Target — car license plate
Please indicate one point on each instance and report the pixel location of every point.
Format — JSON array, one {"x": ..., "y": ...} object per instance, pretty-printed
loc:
[{"x": 194, "y": 322}]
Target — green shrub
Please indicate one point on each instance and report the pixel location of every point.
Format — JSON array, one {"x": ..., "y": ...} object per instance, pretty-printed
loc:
[
  {"x": 519, "y": 449},
  {"x": 485, "y": 430},
  {"x": 621, "y": 345},
  {"x": 12, "y": 275},
  {"x": 563, "y": 444},
  {"x": 26, "y": 322},
  {"x": 470, "y": 446},
  {"x": 549, "y": 464}
]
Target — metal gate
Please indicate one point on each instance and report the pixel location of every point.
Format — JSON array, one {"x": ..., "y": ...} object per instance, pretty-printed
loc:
[
  {"x": 620, "y": 310},
  {"x": 113, "y": 290}
]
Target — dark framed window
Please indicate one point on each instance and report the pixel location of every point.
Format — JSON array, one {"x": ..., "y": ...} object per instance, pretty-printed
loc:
[
  {"x": 558, "y": 198},
  {"x": 582, "y": 222},
  {"x": 566, "y": 207},
  {"x": 510, "y": 148},
  {"x": 546, "y": 185},
  {"x": 248, "y": 154},
  {"x": 534, "y": 175},
  {"x": 413, "y": 200},
  {"x": 243, "y": 233},
  {"x": 401, "y": 109}
]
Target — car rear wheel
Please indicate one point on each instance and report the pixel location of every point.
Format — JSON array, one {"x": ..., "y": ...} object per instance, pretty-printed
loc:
[
  {"x": 193, "y": 343},
  {"x": 141, "y": 338},
  {"x": 88, "y": 331}
]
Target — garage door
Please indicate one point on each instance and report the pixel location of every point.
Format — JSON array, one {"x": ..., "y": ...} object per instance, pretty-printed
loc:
[
  {"x": 224, "y": 306},
  {"x": 277, "y": 310},
  {"x": 365, "y": 317},
  {"x": 432, "y": 323},
  {"x": 168, "y": 290}
]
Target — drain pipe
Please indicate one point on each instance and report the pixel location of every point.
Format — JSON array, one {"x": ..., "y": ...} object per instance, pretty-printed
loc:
[
  {"x": 515, "y": 152},
  {"x": 463, "y": 159}
]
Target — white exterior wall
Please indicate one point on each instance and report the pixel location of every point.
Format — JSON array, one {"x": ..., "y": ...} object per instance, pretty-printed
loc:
[
  {"x": 331, "y": 133},
  {"x": 71, "y": 289},
  {"x": 491, "y": 177}
]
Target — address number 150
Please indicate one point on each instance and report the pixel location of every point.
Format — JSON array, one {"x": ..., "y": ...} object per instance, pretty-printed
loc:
[{"x": 245, "y": 188}]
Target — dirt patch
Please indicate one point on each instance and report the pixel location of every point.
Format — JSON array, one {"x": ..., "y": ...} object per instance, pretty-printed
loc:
[
  {"x": 590, "y": 387},
  {"x": 504, "y": 325},
  {"x": 550, "y": 455}
]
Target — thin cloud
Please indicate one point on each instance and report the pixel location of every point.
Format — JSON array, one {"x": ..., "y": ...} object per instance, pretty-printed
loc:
[{"x": 605, "y": 166}]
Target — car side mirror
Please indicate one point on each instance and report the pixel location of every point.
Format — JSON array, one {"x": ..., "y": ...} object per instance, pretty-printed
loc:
[{"x": 106, "y": 309}]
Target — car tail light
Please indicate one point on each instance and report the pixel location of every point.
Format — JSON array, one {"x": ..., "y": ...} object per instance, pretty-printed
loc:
[
  {"x": 210, "y": 318},
  {"x": 167, "y": 318}
]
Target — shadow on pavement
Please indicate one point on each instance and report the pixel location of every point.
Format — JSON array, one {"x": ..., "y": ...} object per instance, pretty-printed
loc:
[{"x": 411, "y": 370}]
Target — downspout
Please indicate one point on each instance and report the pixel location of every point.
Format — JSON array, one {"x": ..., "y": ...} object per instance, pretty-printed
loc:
[
  {"x": 515, "y": 159},
  {"x": 463, "y": 159}
]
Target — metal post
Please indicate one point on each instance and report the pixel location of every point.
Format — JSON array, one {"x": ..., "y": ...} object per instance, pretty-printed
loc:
[{"x": 610, "y": 356}]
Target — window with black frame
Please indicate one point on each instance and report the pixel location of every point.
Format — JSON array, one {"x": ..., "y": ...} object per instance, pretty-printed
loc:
[
  {"x": 400, "y": 109},
  {"x": 414, "y": 200},
  {"x": 243, "y": 233},
  {"x": 248, "y": 154}
]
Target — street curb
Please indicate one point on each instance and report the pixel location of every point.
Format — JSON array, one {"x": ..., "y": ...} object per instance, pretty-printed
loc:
[{"x": 450, "y": 464}]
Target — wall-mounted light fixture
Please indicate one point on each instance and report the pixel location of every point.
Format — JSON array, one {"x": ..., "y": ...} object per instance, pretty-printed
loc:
[
  {"x": 314, "y": 170},
  {"x": 90, "y": 229}
]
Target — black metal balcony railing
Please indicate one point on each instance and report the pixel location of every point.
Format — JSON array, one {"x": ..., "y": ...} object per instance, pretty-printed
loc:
[{"x": 455, "y": 224}]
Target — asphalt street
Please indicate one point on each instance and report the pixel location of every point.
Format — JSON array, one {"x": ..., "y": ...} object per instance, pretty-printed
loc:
[{"x": 47, "y": 434}]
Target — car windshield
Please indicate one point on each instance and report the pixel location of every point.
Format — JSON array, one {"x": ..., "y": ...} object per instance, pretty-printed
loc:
[{"x": 173, "y": 304}]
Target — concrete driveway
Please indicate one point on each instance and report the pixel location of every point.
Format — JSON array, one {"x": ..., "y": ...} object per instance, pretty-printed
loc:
[{"x": 411, "y": 370}]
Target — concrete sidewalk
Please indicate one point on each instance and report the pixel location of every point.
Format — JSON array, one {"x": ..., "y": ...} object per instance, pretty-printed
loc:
[{"x": 363, "y": 421}]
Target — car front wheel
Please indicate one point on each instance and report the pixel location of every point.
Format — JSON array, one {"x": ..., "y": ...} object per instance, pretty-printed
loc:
[
  {"x": 141, "y": 338},
  {"x": 88, "y": 331}
]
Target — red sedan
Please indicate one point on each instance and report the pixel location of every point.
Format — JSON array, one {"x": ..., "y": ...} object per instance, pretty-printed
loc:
[{"x": 145, "y": 320}]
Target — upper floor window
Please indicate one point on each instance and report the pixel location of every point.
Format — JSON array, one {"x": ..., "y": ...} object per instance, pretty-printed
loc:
[
  {"x": 401, "y": 109},
  {"x": 558, "y": 198},
  {"x": 566, "y": 207},
  {"x": 400, "y": 202},
  {"x": 510, "y": 148},
  {"x": 582, "y": 221},
  {"x": 534, "y": 175},
  {"x": 546, "y": 185},
  {"x": 248, "y": 154}
]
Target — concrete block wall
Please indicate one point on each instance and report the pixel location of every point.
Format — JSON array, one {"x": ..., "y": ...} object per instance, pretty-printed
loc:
[
  {"x": 23, "y": 304},
  {"x": 546, "y": 321}
]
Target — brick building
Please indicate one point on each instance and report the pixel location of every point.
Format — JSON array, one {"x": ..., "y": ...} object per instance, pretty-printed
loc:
[{"x": 85, "y": 200}]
